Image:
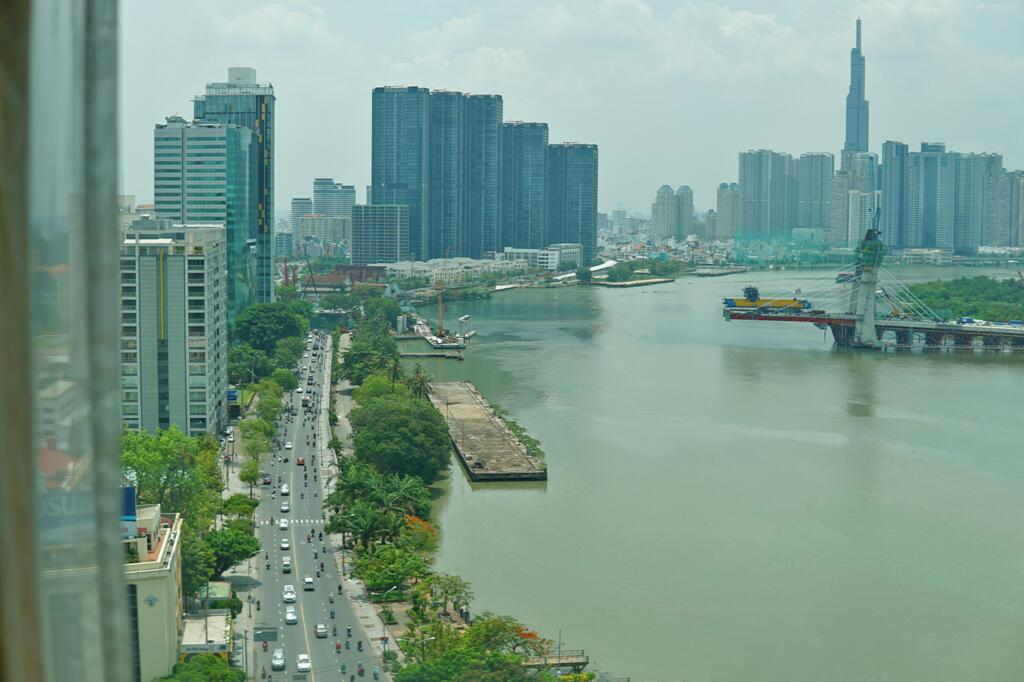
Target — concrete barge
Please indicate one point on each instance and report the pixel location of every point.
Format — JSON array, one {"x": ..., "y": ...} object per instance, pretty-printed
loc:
[{"x": 488, "y": 450}]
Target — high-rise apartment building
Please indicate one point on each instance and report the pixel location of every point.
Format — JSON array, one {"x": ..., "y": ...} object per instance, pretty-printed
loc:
[
  {"x": 523, "y": 212},
  {"x": 300, "y": 206},
  {"x": 813, "y": 191},
  {"x": 893, "y": 182},
  {"x": 768, "y": 186},
  {"x": 839, "y": 209},
  {"x": 730, "y": 210},
  {"x": 332, "y": 198},
  {"x": 931, "y": 197},
  {"x": 380, "y": 234},
  {"x": 572, "y": 196},
  {"x": 483, "y": 117},
  {"x": 664, "y": 214},
  {"x": 856, "y": 104},
  {"x": 202, "y": 174},
  {"x": 684, "y": 200},
  {"x": 446, "y": 174},
  {"x": 400, "y": 158},
  {"x": 860, "y": 215},
  {"x": 284, "y": 243},
  {"x": 244, "y": 102},
  {"x": 173, "y": 326},
  {"x": 1015, "y": 208},
  {"x": 326, "y": 229}
]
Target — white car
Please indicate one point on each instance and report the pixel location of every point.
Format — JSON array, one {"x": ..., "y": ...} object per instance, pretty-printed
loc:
[
  {"x": 307, "y": 584},
  {"x": 283, "y": 524},
  {"x": 285, "y": 544},
  {"x": 288, "y": 445},
  {"x": 277, "y": 660},
  {"x": 285, "y": 507},
  {"x": 290, "y": 616},
  {"x": 302, "y": 663},
  {"x": 321, "y": 631},
  {"x": 289, "y": 594},
  {"x": 285, "y": 490},
  {"x": 299, "y": 389},
  {"x": 231, "y": 438}
]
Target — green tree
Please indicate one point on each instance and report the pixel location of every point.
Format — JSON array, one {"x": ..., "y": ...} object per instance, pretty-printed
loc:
[
  {"x": 620, "y": 272},
  {"x": 288, "y": 351},
  {"x": 250, "y": 473},
  {"x": 231, "y": 545},
  {"x": 286, "y": 292},
  {"x": 240, "y": 506},
  {"x": 584, "y": 275},
  {"x": 401, "y": 437},
  {"x": 385, "y": 567},
  {"x": 205, "y": 668},
  {"x": 197, "y": 562},
  {"x": 568, "y": 266},
  {"x": 365, "y": 356},
  {"x": 285, "y": 378},
  {"x": 387, "y": 308},
  {"x": 262, "y": 324},
  {"x": 419, "y": 382},
  {"x": 247, "y": 364},
  {"x": 377, "y": 386}
]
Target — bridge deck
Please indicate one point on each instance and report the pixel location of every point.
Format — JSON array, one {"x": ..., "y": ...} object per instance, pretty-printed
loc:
[{"x": 576, "y": 659}]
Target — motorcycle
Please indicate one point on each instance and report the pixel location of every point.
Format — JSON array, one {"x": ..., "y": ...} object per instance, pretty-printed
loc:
[
  {"x": 337, "y": 647},
  {"x": 265, "y": 645},
  {"x": 359, "y": 645}
]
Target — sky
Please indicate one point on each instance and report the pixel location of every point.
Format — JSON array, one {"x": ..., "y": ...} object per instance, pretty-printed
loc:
[{"x": 670, "y": 91}]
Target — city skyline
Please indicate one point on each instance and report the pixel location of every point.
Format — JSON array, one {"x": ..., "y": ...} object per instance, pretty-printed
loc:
[{"x": 749, "y": 55}]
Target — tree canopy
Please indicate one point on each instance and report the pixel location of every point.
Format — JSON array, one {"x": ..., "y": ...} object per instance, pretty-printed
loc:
[
  {"x": 231, "y": 545},
  {"x": 995, "y": 300},
  {"x": 261, "y": 325},
  {"x": 247, "y": 364},
  {"x": 401, "y": 436},
  {"x": 205, "y": 668},
  {"x": 372, "y": 350}
]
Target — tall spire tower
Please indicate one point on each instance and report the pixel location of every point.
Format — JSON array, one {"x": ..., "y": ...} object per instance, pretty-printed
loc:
[{"x": 856, "y": 105}]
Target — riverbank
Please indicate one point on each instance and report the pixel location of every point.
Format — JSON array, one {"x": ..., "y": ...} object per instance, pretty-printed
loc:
[{"x": 629, "y": 283}]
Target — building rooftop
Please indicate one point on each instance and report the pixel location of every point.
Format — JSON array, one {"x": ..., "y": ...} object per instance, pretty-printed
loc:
[{"x": 206, "y": 634}]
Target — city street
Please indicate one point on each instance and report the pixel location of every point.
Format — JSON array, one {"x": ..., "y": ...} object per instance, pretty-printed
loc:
[{"x": 304, "y": 533}]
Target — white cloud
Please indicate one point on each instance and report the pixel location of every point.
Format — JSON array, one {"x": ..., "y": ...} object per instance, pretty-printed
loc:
[{"x": 298, "y": 22}]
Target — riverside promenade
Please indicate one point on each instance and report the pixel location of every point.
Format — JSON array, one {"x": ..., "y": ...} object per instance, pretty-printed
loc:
[{"x": 489, "y": 451}]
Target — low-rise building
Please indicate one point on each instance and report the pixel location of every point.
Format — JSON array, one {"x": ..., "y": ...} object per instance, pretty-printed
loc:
[
  {"x": 452, "y": 270},
  {"x": 553, "y": 258},
  {"x": 209, "y": 633},
  {"x": 153, "y": 576}
]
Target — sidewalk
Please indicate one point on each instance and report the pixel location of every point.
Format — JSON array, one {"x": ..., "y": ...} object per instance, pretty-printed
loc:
[{"x": 355, "y": 591}]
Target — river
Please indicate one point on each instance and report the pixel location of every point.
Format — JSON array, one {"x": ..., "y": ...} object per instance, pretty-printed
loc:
[{"x": 736, "y": 501}]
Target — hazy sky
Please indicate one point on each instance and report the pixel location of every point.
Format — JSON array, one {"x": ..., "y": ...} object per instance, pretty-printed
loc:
[{"x": 669, "y": 90}]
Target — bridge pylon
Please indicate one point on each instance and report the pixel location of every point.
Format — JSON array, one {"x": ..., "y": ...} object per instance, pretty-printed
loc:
[{"x": 862, "y": 297}]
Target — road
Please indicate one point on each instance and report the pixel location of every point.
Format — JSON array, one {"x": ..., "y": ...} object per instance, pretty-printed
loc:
[{"x": 304, "y": 517}]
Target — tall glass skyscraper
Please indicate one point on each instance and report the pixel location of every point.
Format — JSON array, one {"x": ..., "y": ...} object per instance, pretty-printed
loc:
[
  {"x": 447, "y": 173},
  {"x": 483, "y": 139},
  {"x": 202, "y": 175},
  {"x": 400, "y": 155},
  {"x": 524, "y": 153},
  {"x": 244, "y": 102},
  {"x": 893, "y": 219},
  {"x": 856, "y": 104},
  {"x": 572, "y": 196}
]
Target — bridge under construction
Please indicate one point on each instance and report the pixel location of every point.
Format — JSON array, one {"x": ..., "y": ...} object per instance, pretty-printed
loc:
[{"x": 866, "y": 307}]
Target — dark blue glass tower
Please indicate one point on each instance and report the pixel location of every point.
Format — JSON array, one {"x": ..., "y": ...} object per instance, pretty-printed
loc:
[{"x": 856, "y": 105}]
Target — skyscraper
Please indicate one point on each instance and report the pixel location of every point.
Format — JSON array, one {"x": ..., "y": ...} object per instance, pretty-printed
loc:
[
  {"x": 768, "y": 185},
  {"x": 244, "y": 102},
  {"x": 201, "y": 174},
  {"x": 400, "y": 157},
  {"x": 894, "y": 178},
  {"x": 483, "y": 143},
  {"x": 301, "y": 206},
  {"x": 173, "y": 301},
  {"x": 446, "y": 174},
  {"x": 333, "y": 199},
  {"x": 380, "y": 234},
  {"x": 730, "y": 210},
  {"x": 572, "y": 196},
  {"x": 524, "y": 153},
  {"x": 813, "y": 191},
  {"x": 664, "y": 214},
  {"x": 684, "y": 202},
  {"x": 860, "y": 215},
  {"x": 839, "y": 209},
  {"x": 856, "y": 104},
  {"x": 931, "y": 197}
]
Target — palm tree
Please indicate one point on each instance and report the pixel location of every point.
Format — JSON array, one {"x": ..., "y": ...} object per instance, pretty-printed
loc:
[
  {"x": 419, "y": 382},
  {"x": 391, "y": 527},
  {"x": 394, "y": 366},
  {"x": 366, "y": 522},
  {"x": 408, "y": 495}
]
